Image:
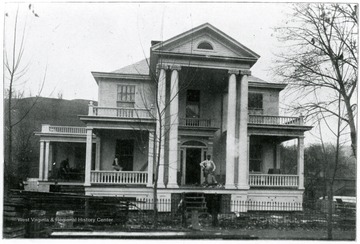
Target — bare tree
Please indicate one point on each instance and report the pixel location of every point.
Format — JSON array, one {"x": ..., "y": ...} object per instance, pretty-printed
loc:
[
  {"x": 330, "y": 172},
  {"x": 164, "y": 122},
  {"x": 320, "y": 60},
  {"x": 15, "y": 71}
]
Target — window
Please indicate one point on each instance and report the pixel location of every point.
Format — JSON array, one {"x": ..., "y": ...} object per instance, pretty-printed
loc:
[
  {"x": 255, "y": 158},
  {"x": 193, "y": 104},
  {"x": 255, "y": 103},
  {"x": 205, "y": 45},
  {"x": 125, "y": 95}
]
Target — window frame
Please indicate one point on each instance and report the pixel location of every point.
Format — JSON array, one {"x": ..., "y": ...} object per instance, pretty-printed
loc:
[
  {"x": 128, "y": 91},
  {"x": 255, "y": 109},
  {"x": 205, "y": 43},
  {"x": 192, "y": 103}
]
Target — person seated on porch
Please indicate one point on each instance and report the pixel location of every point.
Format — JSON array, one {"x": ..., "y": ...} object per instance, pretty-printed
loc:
[
  {"x": 116, "y": 163},
  {"x": 64, "y": 169},
  {"x": 208, "y": 167}
]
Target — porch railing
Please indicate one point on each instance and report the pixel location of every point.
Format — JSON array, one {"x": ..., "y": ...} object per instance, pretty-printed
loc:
[
  {"x": 275, "y": 120},
  {"x": 197, "y": 122},
  {"x": 133, "y": 113},
  {"x": 119, "y": 177},
  {"x": 63, "y": 129},
  {"x": 272, "y": 180}
]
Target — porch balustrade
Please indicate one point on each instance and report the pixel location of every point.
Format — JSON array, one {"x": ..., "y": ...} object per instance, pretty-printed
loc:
[
  {"x": 267, "y": 180},
  {"x": 63, "y": 129},
  {"x": 119, "y": 177},
  {"x": 197, "y": 122},
  {"x": 133, "y": 113},
  {"x": 275, "y": 120}
]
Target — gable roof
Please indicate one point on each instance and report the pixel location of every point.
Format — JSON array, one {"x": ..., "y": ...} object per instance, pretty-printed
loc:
[{"x": 229, "y": 46}]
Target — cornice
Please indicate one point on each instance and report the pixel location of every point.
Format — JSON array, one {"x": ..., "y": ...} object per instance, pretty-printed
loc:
[{"x": 110, "y": 75}]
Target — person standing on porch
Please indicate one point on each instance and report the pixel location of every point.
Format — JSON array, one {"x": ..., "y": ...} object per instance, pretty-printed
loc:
[
  {"x": 116, "y": 163},
  {"x": 208, "y": 167}
]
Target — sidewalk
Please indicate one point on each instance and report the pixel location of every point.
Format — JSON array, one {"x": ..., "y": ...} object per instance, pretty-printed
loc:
[
  {"x": 213, "y": 233},
  {"x": 273, "y": 234}
]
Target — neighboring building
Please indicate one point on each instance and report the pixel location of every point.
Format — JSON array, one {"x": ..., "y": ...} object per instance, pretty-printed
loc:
[{"x": 212, "y": 106}]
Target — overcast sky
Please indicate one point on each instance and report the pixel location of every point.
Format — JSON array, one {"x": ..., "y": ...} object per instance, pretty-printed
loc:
[
  {"x": 70, "y": 40},
  {"x": 73, "y": 39}
]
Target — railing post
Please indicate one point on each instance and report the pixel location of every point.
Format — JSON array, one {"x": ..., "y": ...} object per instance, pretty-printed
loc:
[
  {"x": 301, "y": 119},
  {"x": 91, "y": 108},
  {"x": 45, "y": 128}
]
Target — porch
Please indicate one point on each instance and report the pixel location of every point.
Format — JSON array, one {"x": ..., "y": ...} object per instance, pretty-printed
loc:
[
  {"x": 141, "y": 178},
  {"x": 149, "y": 113},
  {"x": 262, "y": 159}
]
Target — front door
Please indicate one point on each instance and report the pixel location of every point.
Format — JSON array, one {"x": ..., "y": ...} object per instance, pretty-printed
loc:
[
  {"x": 125, "y": 150},
  {"x": 193, "y": 171}
]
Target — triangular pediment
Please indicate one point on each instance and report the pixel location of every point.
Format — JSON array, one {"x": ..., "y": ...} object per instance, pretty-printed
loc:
[{"x": 208, "y": 41}]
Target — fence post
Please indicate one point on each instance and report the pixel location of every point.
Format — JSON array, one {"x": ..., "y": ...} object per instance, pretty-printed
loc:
[{"x": 183, "y": 210}]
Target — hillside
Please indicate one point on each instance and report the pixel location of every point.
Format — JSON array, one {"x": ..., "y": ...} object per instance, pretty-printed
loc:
[
  {"x": 43, "y": 110},
  {"x": 52, "y": 111}
]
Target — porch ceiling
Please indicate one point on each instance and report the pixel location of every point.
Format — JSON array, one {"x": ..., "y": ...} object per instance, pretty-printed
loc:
[{"x": 284, "y": 132}]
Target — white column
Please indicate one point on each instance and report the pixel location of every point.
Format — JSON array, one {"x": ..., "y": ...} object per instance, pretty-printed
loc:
[
  {"x": 150, "y": 159},
  {"x": 46, "y": 164},
  {"x": 98, "y": 147},
  {"x": 88, "y": 156},
  {"x": 160, "y": 126},
  {"x": 300, "y": 162},
  {"x": 51, "y": 159},
  {"x": 173, "y": 130},
  {"x": 41, "y": 161},
  {"x": 230, "y": 134},
  {"x": 243, "y": 169}
]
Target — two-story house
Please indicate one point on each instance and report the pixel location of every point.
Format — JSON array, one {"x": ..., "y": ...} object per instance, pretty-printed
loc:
[{"x": 194, "y": 96}]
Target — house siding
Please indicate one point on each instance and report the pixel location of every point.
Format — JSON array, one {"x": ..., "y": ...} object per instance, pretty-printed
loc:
[
  {"x": 144, "y": 95},
  {"x": 270, "y": 100}
]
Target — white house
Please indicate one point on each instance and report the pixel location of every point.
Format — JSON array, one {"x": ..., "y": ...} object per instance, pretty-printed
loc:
[{"x": 211, "y": 104}]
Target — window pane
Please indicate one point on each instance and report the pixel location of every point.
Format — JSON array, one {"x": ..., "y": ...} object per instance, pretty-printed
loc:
[{"x": 255, "y": 100}]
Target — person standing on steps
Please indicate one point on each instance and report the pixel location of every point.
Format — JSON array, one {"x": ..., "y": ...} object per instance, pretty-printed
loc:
[{"x": 208, "y": 167}]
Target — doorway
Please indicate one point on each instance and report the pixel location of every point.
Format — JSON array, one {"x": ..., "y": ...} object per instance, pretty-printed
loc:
[
  {"x": 125, "y": 150},
  {"x": 193, "y": 171}
]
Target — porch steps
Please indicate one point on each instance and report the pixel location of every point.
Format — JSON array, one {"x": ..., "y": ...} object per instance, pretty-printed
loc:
[{"x": 194, "y": 201}]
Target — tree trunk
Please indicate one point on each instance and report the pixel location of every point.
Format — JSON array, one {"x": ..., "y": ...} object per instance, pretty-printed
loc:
[
  {"x": 351, "y": 124},
  {"x": 330, "y": 211}
]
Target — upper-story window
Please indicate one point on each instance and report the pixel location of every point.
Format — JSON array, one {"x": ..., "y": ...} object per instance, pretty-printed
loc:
[
  {"x": 255, "y": 103},
  {"x": 193, "y": 104},
  {"x": 205, "y": 45},
  {"x": 125, "y": 95}
]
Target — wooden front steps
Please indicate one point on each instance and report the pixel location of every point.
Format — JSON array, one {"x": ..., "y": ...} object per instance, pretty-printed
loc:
[{"x": 194, "y": 202}]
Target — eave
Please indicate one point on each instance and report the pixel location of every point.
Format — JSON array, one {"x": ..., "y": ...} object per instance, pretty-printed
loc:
[
  {"x": 203, "y": 56},
  {"x": 109, "y": 75},
  {"x": 276, "y": 86}
]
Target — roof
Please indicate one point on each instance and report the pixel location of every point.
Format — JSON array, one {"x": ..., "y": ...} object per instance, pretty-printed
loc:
[
  {"x": 142, "y": 68},
  {"x": 138, "y": 68}
]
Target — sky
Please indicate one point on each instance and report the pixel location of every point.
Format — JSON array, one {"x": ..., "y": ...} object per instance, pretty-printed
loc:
[{"x": 69, "y": 40}]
